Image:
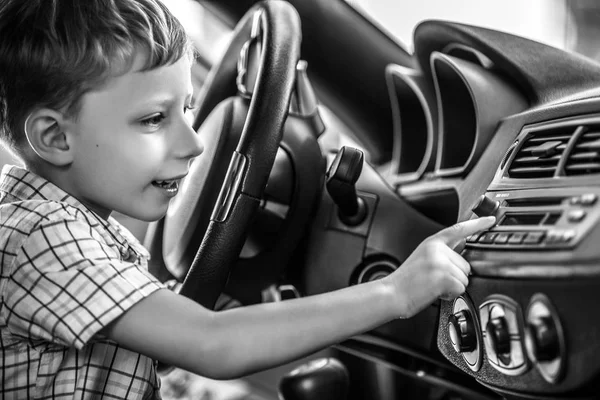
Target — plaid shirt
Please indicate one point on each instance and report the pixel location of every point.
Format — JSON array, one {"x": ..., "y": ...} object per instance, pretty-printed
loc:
[{"x": 64, "y": 274}]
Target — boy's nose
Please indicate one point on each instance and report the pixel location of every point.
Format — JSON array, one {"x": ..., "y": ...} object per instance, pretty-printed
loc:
[{"x": 189, "y": 144}]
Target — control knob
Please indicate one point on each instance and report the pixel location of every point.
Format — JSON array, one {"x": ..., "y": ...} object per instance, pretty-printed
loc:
[
  {"x": 543, "y": 338},
  {"x": 499, "y": 337},
  {"x": 462, "y": 331},
  {"x": 485, "y": 206}
]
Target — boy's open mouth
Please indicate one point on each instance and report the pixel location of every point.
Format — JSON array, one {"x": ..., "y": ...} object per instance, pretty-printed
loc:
[{"x": 170, "y": 186}]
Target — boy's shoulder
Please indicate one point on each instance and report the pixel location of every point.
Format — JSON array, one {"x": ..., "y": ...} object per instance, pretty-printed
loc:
[
  {"x": 27, "y": 215},
  {"x": 28, "y": 201},
  {"x": 34, "y": 210},
  {"x": 47, "y": 221}
]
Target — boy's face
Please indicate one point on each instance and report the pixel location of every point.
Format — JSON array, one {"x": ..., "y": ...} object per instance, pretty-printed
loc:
[{"x": 132, "y": 141}]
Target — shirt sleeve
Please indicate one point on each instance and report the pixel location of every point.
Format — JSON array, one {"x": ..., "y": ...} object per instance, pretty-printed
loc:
[{"x": 66, "y": 284}]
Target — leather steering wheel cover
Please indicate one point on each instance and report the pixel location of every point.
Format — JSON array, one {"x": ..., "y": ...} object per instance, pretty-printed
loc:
[
  {"x": 271, "y": 99},
  {"x": 259, "y": 141},
  {"x": 186, "y": 220},
  {"x": 181, "y": 224},
  {"x": 220, "y": 82}
]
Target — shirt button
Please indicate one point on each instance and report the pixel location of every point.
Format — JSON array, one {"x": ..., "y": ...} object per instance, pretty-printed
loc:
[{"x": 128, "y": 255}]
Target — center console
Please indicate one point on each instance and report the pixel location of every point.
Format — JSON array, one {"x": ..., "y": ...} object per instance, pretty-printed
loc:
[{"x": 526, "y": 325}]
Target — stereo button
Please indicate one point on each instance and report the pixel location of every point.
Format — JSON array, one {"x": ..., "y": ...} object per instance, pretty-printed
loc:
[
  {"x": 516, "y": 238},
  {"x": 473, "y": 238},
  {"x": 533, "y": 238},
  {"x": 588, "y": 199},
  {"x": 568, "y": 236},
  {"x": 487, "y": 237},
  {"x": 559, "y": 237},
  {"x": 554, "y": 237},
  {"x": 502, "y": 238},
  {"x": 576, "y": 215}
]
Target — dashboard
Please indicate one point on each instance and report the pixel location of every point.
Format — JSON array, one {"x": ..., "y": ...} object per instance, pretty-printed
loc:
[
  {"x": 526, "y": 321},
  {"x": 509, "y": 138},
  {"x": 488, "y": 124}
]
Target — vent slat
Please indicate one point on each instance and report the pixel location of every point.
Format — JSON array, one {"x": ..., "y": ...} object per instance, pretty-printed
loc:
[
  {"x": 580, "y": 169},
  {"x": 537, "y": 172},
  {"x": 532, "y": 149},
  {"x": 527, "y": 170},
  {"x": 529, "y": 149},
  {"x": 592, "y": 135},
  {"x": 541, "y": 152},
  {"x": 548, "y": 138},
  {"x": 537, "y": 160},
  {"x": 595, "y": 145},
  {"x": 585, "y": 156}
]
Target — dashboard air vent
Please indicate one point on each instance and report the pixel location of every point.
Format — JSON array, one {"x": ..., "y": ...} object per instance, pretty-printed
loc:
[
  {"x": 540, "y": 153},
  {"x": 584, "y": 158}
]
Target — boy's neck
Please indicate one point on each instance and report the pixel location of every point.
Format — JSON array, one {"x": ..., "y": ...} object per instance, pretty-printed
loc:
[{"x": 59, "y": 177}]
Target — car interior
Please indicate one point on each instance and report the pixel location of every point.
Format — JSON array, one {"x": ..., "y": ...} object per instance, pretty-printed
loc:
[{"x": 332, "y": 151}]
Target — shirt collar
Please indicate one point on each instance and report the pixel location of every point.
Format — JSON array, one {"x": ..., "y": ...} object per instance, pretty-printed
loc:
[{"x": 25, "y": 185}]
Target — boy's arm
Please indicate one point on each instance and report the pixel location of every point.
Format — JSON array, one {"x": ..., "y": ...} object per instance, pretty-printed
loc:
[{"x": 236, "y": 342}]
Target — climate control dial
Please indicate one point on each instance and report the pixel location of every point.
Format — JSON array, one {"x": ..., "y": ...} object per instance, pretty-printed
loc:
[
  {"x": 502, "y": 325},
  {"x": 497, "y": 332},
  {"x": 544, "y": 338},
  {"x": 462, "y": 331}
]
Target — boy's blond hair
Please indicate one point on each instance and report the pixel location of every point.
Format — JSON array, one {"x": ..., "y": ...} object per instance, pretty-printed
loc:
[{"x": 54, "y": 51}]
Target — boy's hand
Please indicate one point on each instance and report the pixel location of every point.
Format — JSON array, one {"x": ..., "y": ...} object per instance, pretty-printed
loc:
[{"x": 435, "y": 270}]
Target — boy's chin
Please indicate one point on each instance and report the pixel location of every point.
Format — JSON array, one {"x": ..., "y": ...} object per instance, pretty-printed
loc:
[
  {"x": 146, "y": 215},
  {"x": 150, "y": 218}
]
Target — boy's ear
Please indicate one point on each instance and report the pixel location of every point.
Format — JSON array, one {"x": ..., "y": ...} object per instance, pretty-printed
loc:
[{"x": 46, "y": 134}]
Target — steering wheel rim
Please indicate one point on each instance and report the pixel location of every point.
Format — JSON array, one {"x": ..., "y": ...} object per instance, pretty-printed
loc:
[{"x": 254, "y": 156}]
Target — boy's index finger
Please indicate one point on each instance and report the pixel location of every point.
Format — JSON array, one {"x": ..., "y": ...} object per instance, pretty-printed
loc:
[{"x": 456, "y": 233}]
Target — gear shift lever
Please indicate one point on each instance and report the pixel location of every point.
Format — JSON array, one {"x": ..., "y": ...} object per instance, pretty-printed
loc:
[
  {"x": 341, "y": 185},
  {"x": 321, "y": 379}
]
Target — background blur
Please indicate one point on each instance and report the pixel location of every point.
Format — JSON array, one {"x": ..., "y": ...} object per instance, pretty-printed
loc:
[{"x": 568, "y": 24}]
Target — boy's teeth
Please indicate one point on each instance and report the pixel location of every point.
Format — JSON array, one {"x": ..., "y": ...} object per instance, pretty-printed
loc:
[{"x": 171, "y": 184}]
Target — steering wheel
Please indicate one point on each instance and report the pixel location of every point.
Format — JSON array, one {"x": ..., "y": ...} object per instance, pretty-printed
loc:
[{"x": 274, "y": 28}]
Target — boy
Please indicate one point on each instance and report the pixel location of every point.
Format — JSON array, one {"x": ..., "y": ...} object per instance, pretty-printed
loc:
[{"x": 96, "y": 99}]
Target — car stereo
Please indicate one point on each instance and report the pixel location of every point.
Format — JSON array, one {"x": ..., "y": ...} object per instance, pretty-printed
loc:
[{"x": 537, "y": 218}]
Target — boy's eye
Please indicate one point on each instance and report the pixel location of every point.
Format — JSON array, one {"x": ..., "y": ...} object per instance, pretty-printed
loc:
[
  {"x": 154, "y": 120},
  {"x": 188, "y": 111}
]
